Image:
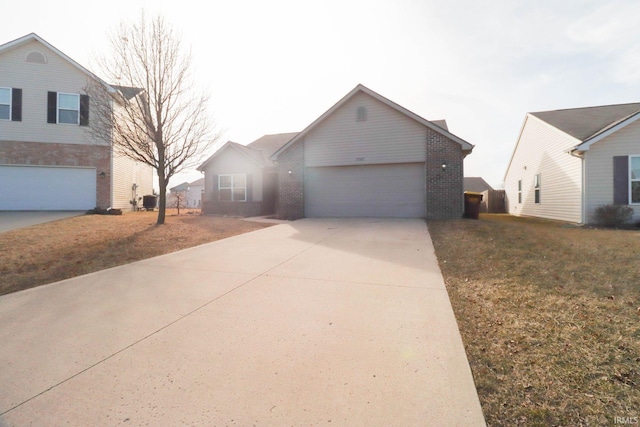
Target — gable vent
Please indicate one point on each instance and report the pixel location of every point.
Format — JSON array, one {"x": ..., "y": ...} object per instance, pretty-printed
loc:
[
  {"x": 36, "y": 58},
  {"x": 361, "y": 114}
]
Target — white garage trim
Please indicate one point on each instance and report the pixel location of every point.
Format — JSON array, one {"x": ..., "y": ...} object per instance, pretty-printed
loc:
[
  {"x": 389, "y": 190},
  {"x": 47, "y": 187}
]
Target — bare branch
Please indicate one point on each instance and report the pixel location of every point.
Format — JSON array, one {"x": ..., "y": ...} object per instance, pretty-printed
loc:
[{"x": 152, "y": 113}]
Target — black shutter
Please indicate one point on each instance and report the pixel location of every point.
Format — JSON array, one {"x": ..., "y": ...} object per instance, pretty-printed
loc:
[
  {"x": 620, "y": 180},
  {"x": 249, "y": 188},
  {"x": 52, "y": 107},
  {"x": 16, "y": 105},
  {"x": 84, "y": 110}
]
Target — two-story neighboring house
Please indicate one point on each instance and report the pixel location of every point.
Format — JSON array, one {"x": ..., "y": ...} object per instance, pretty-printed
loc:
[{"x": 49, "y": 157}]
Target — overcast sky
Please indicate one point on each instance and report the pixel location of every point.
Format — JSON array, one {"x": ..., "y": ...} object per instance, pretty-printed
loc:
[{"x": 275, "y": 66}]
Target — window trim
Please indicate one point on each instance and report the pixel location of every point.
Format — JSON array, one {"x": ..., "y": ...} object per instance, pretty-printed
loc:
[
  {"x": 632, "y": 180},
  {"x": 58, "y": 108},
  {"x": 536, "y": 188},
  {"x": 232, "y": 186},
  {"x": 10, "y": 102}
]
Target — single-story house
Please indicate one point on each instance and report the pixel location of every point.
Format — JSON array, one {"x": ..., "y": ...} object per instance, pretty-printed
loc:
[
  {"x": 364, "y": 157},
  {"x": 568, "y": 162},
  {"x": 241, "y": 180},
  {"x": 49, "y": 156},
  {"x": 367, "y": 156}
]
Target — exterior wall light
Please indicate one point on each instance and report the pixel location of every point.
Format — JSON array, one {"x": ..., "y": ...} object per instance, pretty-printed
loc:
[
  {"x": 290, "y": 172},
  {"x": 444, "y": 166},
  {"x": 102, "y": 174}
]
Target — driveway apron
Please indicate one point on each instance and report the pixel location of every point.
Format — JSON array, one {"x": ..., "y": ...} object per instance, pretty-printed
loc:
[{"x": 314, "y": 322}]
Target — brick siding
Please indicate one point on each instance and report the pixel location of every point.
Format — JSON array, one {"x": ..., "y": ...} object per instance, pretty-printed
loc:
[
  {"x": 54, "y": 154},
  {"x": 290, "y": 201},
  {"x": 444, "y": 196}
]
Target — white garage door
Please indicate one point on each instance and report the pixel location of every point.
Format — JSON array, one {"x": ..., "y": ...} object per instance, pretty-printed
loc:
[
  {"x": 392, "y": 190},
  {"x": 47, "y": 188}
]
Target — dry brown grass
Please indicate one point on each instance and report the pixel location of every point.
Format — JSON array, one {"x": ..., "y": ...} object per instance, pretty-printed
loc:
[
  {"x": 58, "y": 250},
  {"x": 549, "y": 317}
]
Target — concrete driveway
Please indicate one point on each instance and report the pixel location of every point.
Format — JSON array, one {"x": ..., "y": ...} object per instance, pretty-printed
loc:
[
  {"x": 12, "y": 220},
  {"x": 315, "y": 322}
]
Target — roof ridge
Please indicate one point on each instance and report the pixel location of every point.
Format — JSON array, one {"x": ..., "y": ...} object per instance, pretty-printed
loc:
[{"x": 589, "y": 107}]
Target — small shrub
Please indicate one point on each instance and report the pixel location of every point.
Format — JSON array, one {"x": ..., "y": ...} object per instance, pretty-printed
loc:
[{"x": 613, "y": 215}]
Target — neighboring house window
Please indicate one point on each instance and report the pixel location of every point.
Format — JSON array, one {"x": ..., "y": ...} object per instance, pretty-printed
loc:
[
  {"x": 634, "y": 178},
  {"x": 536, "y": 188},
  {"x": 10, "y": 104},
  {"x": 361, "y": 114},
  {"x": 232, "y": 188},
  {"x": 519, "y": 191},
  {"x": 69, "y": 108}
]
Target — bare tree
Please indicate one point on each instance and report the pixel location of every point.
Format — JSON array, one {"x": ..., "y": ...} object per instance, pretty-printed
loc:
[{"x": 153, "y": 113}]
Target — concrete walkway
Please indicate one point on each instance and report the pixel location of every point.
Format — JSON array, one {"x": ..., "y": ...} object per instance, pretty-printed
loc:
[
  {"x": 12, "y": 220},
  {"x": 315, "y": 322}
]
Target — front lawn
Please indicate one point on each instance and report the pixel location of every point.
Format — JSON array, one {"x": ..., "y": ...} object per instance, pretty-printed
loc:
[
  {"x": 549, "y": 315},
  {"x": 62, "y": 249}
]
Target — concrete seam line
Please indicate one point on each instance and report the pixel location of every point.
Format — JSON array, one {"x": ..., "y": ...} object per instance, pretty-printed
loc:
[
  {"x": 130, "y": 345},
  {"x": 162, "y": 328}
]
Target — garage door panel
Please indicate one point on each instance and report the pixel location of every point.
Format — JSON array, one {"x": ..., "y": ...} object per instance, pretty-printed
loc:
[
  {"x": 47, "y": 188},
  {"x": 366, "y": 191}
]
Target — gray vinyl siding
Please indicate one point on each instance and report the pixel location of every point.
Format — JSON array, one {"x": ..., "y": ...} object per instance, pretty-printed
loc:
[
  {"x": 35, "y": 80},
  {"x": 599, "y": 167},
  {"x": 543, "y": 149},
  {"x": 232, "y": 161},
  {"x": 386, "y": 136}
]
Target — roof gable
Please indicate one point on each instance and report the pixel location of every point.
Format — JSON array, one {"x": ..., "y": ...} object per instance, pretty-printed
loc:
[
  {"x": 361, "y": 88},
  {"x": 34, "y": 37},
  {"x": 259, "y": 151}
]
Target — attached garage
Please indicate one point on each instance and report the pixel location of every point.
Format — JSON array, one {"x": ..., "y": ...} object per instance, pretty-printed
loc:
[
  {"x": 47, "y": 188},
  {"x": 388, "y": 190}
]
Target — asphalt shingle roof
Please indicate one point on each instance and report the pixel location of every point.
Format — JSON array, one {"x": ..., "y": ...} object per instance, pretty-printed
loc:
[{"x": 585, "y": 123}]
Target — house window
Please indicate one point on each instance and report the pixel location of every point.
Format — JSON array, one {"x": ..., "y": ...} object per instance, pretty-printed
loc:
[
  {"x": 5, "y": 103},
  {"x": 536, "y": 188},
  {"x": 634, "y": 178},
  {"x": 519, "y": 191},
  {"x": 69, "y": 108},
  {"x": 361, "y": 114},
  {"x": 232, "y": 188}
]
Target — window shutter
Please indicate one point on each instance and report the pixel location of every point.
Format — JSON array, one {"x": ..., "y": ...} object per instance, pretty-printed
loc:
[
  {"x": 16, "y": 105},
  {"x": 84, "y": 110},
  {"x": 249, "y": 188},
  {"x": 215, "y": 191},
  {"x": 52, "y": 107},
  {"x": 620, "y": 180}
]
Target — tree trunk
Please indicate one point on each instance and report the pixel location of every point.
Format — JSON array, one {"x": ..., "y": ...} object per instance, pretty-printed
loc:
[{"x": 162, "y": 207}]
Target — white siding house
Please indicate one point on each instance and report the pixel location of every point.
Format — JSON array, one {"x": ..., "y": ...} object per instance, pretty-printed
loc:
[
  {"x": 562, "y": 167},
  {"x": 49, "y": 156}
]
